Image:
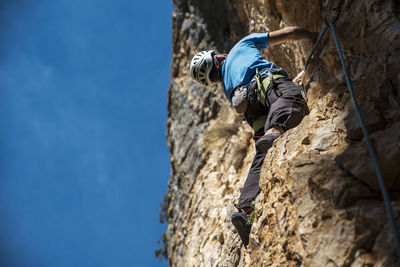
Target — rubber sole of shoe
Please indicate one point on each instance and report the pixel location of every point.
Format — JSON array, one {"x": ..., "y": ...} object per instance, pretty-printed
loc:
[{"x": 243, "y": 229}]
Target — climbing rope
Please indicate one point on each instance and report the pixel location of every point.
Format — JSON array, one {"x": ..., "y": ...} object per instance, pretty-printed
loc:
[
  {"x": 384, "y": 192},
  {"x": 321, "y": 34},
  {"x": 324, "y": 27},
  {"x": 371, "y": 150}
]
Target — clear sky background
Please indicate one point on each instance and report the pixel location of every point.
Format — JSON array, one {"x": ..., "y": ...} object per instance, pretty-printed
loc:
[{"x": 84, "y": 162}]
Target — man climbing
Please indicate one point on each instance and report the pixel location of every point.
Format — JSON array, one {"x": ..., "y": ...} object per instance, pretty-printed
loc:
[{"x": 269, "y": 100}]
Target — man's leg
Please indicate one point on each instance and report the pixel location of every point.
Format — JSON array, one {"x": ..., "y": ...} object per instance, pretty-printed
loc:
[
  {"x": 250, "y": 191},
  {"x": 251, "y": 186},
  {"x": 288, "y": 106},
  {"x": 287, "y": 109}
]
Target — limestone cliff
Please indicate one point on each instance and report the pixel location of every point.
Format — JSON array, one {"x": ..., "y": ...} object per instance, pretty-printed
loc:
[{"x": 320, "y": 203}]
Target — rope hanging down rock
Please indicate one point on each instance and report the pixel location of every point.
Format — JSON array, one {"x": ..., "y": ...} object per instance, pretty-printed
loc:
[
  {"x": 384, "y": 192},
  {"x": 371, "y": 150}
]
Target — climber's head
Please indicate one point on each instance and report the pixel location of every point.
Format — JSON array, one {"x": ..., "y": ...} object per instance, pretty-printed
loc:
[{"x": 205, "y": 67}]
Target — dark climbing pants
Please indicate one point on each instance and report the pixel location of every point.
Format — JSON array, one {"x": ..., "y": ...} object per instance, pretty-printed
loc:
[
  {"x": 287, "y": 108},
  {"x": 251, "y": 187}
]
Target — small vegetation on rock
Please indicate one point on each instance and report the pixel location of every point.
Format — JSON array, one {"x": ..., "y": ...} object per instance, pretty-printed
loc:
[{"x": 162, "y": 252}]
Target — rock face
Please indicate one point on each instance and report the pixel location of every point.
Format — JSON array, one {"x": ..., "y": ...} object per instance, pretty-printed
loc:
[{"x": 320, "y": 203}]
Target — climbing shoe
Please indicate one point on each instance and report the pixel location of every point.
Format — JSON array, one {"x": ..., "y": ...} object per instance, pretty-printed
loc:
[
  {"x": 239, "y": 220},
  {"x": 242, "y": 221},
  {"x": 265, "y": 142}
]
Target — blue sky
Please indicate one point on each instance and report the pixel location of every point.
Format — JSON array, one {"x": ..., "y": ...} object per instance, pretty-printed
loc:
[{"x": 84, "y": 162}]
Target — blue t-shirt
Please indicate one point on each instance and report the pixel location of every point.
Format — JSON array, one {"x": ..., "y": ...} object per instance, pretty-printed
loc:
[{"x": 242, "y": 61}]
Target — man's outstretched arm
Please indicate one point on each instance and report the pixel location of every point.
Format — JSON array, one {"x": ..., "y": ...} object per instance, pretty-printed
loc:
[{"x": 290, "y": 34}]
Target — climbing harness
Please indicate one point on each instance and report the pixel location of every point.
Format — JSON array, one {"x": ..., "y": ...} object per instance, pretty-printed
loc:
[
  {"x": 384, "y": 192},
  {"x": 371, "y": 150},
  {"x": 263, "y": 92},
  {"x": 264, "y": 83}
]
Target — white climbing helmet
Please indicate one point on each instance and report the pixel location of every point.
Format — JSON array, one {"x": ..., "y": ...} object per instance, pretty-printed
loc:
[{"x": 201, "y": 65}]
